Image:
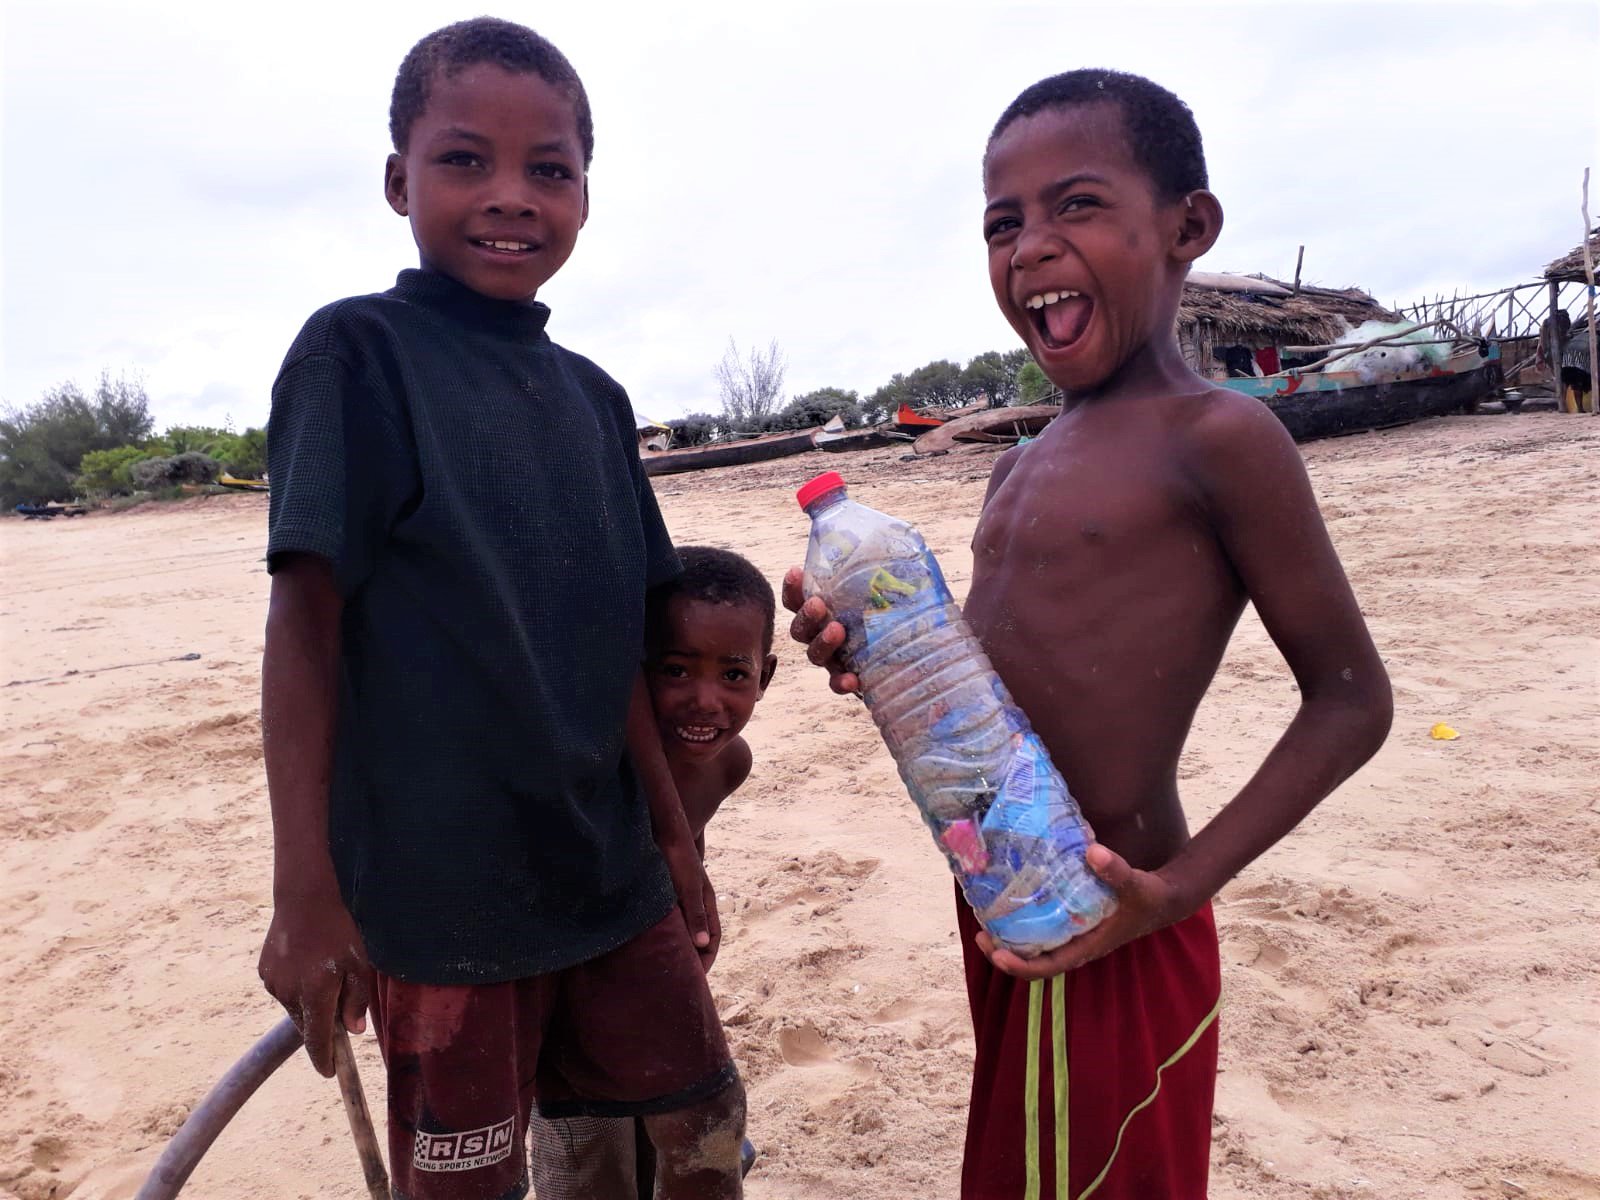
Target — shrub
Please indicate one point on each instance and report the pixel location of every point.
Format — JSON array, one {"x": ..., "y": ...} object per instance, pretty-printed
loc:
[
  {"x": 109, "y": 472},
  {"x": 155, "y": 474}
]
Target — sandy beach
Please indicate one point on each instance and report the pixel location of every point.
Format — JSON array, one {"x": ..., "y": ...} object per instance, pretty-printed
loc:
[{"x": 1412, "y": 980}]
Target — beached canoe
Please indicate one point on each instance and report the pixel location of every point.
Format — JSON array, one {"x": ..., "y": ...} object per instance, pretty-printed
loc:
[
  {"x": 242, "y": 485},
  {"x": 1319, "y": 404},
  {"x": 999, "y": 425},
  {"x": 860, "y": 439},
  {"x": 729, "y": 454}
]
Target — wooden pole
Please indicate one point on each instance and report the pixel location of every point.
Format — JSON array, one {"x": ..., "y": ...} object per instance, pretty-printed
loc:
[
  {"x": 355, "y": 1108},
  {"x": 1588, "y": 274},
  {"x": 1298, "y": 259}
]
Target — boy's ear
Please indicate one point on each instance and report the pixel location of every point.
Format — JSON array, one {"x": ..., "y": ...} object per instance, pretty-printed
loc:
[
  {"x": 584, "y": 219},
  {"x": 394, "y": 184},
  {"x": 1199, "y": 226},
  {"x": 768, "y": 669}
]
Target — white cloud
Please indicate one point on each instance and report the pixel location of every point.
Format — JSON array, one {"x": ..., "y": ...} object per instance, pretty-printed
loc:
[{"x": 183, "y": 184}]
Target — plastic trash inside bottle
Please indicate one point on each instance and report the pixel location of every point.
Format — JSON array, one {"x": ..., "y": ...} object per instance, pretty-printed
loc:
[{"x": 997, "y": 807}]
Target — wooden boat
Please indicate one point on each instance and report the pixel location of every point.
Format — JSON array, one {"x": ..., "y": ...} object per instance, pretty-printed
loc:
[
  {"x": 1000, "y": 425},
  {"x": 835, "y": 437},
  {"x": 45, "y": 512},
  {"x": 242, "y": 485},
  {"x": 1318, "y": 404},
  {"x": 909, "y": 420},
  {"x": 860, "y": 439},
  {"x": 729, "y": 453}
]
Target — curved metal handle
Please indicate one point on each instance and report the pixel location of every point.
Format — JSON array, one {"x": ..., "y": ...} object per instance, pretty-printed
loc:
[{"x": 195, "y": 1135}]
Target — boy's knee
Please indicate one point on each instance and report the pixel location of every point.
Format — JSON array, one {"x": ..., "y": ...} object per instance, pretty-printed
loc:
[{"x": 701, "y": 1138}]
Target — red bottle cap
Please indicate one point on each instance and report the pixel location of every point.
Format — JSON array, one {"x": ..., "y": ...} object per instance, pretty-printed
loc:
[{"x": 828, "y": 481}]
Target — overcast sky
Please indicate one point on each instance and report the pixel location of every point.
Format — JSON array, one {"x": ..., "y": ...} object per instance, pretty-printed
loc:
[{"x": 182, "y": 184}]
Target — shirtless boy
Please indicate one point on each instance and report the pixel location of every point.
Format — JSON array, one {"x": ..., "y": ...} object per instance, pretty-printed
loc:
[{"x": 1112, "y": 560}]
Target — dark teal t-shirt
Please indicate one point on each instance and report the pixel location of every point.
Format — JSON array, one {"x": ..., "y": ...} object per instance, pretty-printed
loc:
[{"x": 478, "y": 491}]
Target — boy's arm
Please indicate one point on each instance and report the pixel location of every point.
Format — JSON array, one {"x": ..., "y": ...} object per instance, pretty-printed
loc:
[
  {"x": 1252, "y": 484},
  {"x": 670, "y": 826},
  {"x": 313, "y": 961}
]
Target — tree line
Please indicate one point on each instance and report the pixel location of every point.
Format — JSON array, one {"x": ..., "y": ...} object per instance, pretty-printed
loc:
[
  {"x": 73, "y": 444},
  {"x": 750, "y": 387}
]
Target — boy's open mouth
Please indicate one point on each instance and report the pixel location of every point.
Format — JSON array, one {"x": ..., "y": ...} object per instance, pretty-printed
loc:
[
  {"x": 699, "y": 735},
  {"x": 505, "y": 246},
  {"x": 1060, "y": 317}
]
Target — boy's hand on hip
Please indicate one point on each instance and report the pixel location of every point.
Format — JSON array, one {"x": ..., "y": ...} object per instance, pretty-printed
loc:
[
  {"x": 695, "y": 898},
  {"x": 815, "y": 628},
  {"x": 1145, "y": 902},
  {"x": 314, "y": 963}
]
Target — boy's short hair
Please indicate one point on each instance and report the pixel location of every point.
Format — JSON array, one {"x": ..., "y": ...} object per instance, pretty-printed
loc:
[
  {"x": 483, "y": 40},
  {"x": 1162, "y": 134},
  {"x": 718, "y": 577}
]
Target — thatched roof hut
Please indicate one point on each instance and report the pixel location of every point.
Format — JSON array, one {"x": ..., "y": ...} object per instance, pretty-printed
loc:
[
  {"x": 1569, "y": 266},
  {"x": 1259, "y": 313}
]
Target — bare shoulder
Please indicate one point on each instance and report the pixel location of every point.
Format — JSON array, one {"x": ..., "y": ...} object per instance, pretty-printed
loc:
[
  {"x": 737, "y": 761},
  {"x": 1231, "y": 445}
]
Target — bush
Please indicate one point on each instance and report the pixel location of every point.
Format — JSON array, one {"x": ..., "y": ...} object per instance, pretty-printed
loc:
[
  {"x": 156, "y": 474},
  {"x": 109, "y": 472}
]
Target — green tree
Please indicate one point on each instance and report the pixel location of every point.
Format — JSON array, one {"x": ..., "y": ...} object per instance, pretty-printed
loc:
[
  {"x": 694, "y": 429},
  {"x": 42, "y": 446},
  {"x": 190, "y": 439},
  {"x": 819, "y": 407},
  {"x": 243, "y": 455},
  {"x": 1032, "y": 384},
  {"x": 986, "y": 375}
]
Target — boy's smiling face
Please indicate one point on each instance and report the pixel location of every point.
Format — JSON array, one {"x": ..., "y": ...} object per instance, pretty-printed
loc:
[
  {"x": 1085, "y": 260},
  {"x": 706, "y": 672},
  {"x": 492, "y": 180}
]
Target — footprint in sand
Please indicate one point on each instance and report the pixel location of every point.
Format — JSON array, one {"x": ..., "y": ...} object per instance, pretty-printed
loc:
[
  {"x": 1498, "y": 1049},
  {"x": 808, "y": 887},
  {"x": 803, "y": 1048},
  {"x": 925, "y": 1026}
]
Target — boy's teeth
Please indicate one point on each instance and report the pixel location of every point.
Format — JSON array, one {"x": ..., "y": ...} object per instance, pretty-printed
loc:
[
  {"x": 1044, "y": 298},
  {"x": 507, "y": 245},
  {"x": 697, "y": 733}
]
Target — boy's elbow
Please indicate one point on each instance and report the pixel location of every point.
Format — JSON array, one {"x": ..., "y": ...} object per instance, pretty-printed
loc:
[{"x": 1374, "y": 716}]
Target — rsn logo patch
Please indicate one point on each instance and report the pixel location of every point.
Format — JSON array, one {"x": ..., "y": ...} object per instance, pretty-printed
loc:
[{"x": 464, "y": 1151}]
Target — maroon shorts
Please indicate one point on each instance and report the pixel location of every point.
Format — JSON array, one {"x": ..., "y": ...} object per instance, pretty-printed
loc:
[
  {"x": 1096, "y": 1083},
  {"x": 631, "y": 1032}
]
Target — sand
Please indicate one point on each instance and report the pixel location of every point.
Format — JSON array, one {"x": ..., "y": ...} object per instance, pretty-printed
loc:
[{"x": 1410, "y": 980}]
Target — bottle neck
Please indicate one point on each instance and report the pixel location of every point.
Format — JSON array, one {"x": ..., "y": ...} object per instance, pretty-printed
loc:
[{"x": 825, "y": 501}]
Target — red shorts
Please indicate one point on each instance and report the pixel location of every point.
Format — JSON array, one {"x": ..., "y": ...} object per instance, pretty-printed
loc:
[
  {"x": 629, "y": 1033},
  {"x": 1097, "y": 1082}
]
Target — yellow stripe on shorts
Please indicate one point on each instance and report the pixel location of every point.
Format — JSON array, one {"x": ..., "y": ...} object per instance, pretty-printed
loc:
[
  {"x": 1188, "y": 1045},
  {"x": 1030, "y": 1102},
  {"x": 1058, "y": 1046}
]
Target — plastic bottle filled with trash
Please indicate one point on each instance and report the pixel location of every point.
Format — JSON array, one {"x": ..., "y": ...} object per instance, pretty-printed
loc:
[{"x": 997, "y": 807}]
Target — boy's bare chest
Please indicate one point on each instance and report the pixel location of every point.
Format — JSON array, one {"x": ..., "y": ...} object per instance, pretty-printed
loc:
[{"x": 1072, "y": 512}]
